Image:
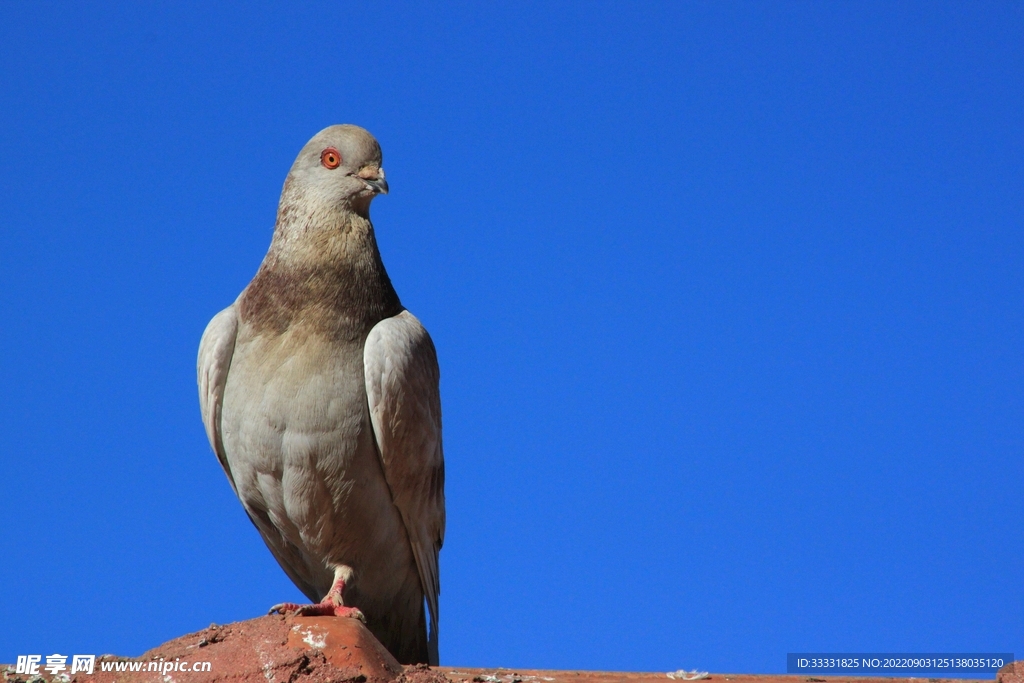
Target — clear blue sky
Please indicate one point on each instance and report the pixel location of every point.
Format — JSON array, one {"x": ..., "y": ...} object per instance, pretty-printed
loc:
[{"x": 728, "y": 298}]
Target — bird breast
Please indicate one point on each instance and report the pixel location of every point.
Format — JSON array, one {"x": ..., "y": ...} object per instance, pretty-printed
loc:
[{"x": 300, "y": 445}]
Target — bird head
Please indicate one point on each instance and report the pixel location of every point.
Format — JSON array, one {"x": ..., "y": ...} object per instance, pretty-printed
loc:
[{"x": 338, "y": 169}]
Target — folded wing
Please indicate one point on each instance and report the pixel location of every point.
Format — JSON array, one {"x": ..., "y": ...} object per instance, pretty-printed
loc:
[
  {"x": 215, "y": 351},
  {"x": 402, "y": 380}
]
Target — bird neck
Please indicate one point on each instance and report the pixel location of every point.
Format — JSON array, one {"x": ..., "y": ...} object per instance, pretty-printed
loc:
[{"x": 323, "y": 271}]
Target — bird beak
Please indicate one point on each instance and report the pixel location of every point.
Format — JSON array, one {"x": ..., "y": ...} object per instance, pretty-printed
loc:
[{"x": 374, "y": 177}]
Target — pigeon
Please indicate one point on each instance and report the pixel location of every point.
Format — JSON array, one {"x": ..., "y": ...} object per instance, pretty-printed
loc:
[{"x": 320, "y": 397}]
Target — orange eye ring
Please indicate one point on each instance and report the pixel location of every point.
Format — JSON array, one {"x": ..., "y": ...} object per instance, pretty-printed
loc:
[{"x": 330, "y": 158}]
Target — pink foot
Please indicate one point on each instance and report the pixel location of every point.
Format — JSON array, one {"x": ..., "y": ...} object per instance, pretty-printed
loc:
[
  {"x": 322, "y": 609},
  {"x": 330, "y": 606}
]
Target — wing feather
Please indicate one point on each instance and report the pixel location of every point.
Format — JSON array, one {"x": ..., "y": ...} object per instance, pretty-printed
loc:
[
  {"x": 215, "y": 351},
  {"x": 402, "y": 387}
]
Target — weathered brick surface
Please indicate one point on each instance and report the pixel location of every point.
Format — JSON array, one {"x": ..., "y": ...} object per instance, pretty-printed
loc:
[{"x": 276, "y": 649}]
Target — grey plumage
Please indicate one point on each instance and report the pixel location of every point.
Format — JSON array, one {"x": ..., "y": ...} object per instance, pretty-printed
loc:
[{"x": 319, "y": 393}]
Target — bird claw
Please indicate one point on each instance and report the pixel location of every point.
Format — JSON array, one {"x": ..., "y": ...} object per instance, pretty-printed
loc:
[
  {"x": 322, "y": 609},
  {"x": 284, "y": 607},
  {"x": 350, "y": 612}
]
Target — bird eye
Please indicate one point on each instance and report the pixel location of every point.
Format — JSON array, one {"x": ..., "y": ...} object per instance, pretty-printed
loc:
[{"x": 330, "y": 158}]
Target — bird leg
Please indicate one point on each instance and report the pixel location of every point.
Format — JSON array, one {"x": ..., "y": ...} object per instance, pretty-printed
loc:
[{"x": 333, "y": 604}]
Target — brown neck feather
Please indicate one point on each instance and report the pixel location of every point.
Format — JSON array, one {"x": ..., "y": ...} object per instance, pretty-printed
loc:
[{"x": 323, "y": 274}]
